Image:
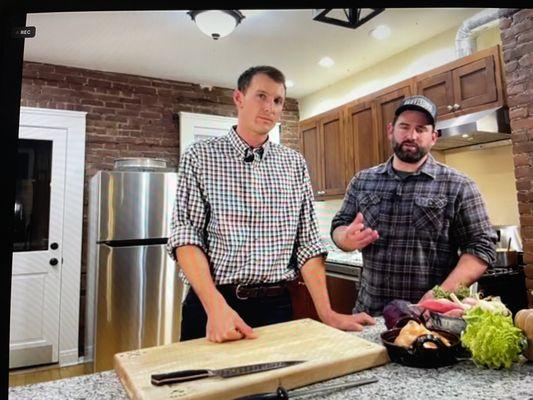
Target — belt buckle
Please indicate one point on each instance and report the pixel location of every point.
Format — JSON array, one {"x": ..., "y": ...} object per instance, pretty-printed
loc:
[{"x": 239, "y": 286}]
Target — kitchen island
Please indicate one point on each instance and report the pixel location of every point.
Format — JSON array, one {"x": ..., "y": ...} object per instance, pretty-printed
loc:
[{"x": 462, "y": 380}]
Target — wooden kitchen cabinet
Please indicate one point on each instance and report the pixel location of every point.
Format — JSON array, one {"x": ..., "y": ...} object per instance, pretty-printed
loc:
[
  {"x": 438, "y": 88},
  {"x": 386, "y": 104},
  {"x": 339, "y": 143},
  {"x": 302, "y": 303},
  {"x": 310, "y": 145},
  {"x": 342, "y": 294},
  {"x": 333, "y": 161},
  {"x": 322, "y": 143},
  {"x": 362, "y": 141},
  {"x": 471, "y": 84}
]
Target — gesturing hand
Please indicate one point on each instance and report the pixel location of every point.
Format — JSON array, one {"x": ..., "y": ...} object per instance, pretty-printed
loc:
[{"x": 357, "y": 236}]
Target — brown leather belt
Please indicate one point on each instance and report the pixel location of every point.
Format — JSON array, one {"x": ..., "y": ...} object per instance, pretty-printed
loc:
[{"x": 243, "y": 292}]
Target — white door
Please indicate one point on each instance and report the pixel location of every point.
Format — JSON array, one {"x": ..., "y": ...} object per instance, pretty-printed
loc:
[{"x": 37, "y": 247}]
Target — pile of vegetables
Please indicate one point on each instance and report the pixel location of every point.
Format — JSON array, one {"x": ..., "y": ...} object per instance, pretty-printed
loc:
[{"x": 490, "y": 335}]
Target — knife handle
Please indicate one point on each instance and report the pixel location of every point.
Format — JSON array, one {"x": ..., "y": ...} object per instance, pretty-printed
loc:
[
  {"x": 280, "y": 394},
  {"x": 180, "y": 376}
]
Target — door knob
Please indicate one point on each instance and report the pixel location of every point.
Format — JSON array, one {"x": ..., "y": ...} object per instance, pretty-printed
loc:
[
  {"x": 54, "y": 246},
  {"x": 53, "y": 261},
  {"x": 321, "y": 192},
  {"x": 456, "y": 106},
  {"x": 449, "y": 107}
]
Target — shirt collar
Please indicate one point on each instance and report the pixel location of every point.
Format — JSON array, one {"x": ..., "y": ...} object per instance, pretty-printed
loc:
[
  {"x": 241, "y": 146},
  {"x": 429, "y": 168}
]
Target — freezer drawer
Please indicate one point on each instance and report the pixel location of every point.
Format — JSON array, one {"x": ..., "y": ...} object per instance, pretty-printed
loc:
[{"x": 138, "y": 296}]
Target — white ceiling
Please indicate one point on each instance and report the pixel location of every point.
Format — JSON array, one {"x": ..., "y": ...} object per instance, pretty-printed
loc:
[{"x": 167, "y": 44}]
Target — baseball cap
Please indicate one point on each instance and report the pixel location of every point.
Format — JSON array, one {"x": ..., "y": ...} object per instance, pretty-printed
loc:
[{"x": 419, "y": 103}]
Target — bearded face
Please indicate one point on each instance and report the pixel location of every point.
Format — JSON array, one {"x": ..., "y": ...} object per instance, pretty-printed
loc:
[{"x": 408, "y": 151}]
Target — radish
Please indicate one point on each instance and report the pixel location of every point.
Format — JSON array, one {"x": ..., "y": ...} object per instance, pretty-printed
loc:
[{"x": 439, "y": 305}]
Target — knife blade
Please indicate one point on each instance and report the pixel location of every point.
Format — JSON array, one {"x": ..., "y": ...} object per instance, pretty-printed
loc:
[
  {"x": 193, "y": 374},
  {"x": 283, "y": 394}
]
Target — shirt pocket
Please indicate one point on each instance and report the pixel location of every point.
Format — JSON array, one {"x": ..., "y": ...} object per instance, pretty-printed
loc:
[
  {"x": 369, "y": 205},
  {"x": 429, "y": 213}
]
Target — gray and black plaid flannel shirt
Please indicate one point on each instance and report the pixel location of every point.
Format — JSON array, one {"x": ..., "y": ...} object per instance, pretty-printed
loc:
[
  {"x": 422, "y": 220},
  {"x": 254, "y": 220}
]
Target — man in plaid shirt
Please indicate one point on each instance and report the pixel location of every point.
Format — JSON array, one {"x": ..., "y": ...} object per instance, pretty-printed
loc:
[
  {"x": 244, "y": 224},
  {"x": 411, "y": 216}
]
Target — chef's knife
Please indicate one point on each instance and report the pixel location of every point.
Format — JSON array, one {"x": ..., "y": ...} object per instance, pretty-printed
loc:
[
  {"x": 193, "y": 374},
  {"x": 282, "y": 394}
]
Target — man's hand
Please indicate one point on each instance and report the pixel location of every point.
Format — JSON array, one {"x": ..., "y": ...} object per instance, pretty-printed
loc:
[
  {"x": 355, "y": 236},
  {"x": 347, "y": 322},
  {"x": 224, "y": 324}
]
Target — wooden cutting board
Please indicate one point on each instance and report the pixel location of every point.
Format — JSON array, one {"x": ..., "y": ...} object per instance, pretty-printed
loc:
[{"x": 328, "y": 353}]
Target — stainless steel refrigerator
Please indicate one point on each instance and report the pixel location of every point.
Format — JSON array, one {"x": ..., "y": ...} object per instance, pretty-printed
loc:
[{"x": 133, "y": 290}]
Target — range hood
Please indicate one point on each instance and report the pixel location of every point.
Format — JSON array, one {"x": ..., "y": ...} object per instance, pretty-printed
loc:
[{"x": 476, "y": 128}]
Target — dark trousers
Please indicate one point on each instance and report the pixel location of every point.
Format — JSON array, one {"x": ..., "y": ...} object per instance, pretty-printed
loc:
[{"x": 255, "y": 312}]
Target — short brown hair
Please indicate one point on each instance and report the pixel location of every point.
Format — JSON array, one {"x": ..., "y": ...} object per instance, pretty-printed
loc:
[{"x": 273, "y": 73}]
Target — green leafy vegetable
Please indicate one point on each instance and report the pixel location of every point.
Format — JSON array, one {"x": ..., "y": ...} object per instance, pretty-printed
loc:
[
  {"x": 492, "y": 338},
  {"x": 461, "y": 292}
]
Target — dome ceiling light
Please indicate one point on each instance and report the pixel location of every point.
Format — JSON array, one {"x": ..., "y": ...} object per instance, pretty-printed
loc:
[
  {"x": 346, "y": 17},
  {"x": 216, "y": 23}
]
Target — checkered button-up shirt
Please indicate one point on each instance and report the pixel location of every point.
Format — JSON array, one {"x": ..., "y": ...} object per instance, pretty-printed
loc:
[
  {"x": 254, "y": 220},
  {"x": 422, "y": 220}
]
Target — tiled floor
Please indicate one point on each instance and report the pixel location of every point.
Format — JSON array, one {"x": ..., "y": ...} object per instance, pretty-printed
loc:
[{"x": 27, "y": 376}]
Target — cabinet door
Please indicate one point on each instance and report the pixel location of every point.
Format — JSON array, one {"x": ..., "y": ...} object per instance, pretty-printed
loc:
[
  {"x": 301, "y": 301},
  {"x": 386, "y": 105},
  {"x": 439, "y": 89},
  {"x": 332, "y": 144},
  {"x": 342, "y": 292},
  {"x": 362, "y": 147},
  {"x": 475, "y": 84},
  {"x": 310, "y": 145}
]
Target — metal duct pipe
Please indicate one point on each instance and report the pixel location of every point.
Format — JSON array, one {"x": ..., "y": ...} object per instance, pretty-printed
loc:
[{"x": 465, "y": 39}]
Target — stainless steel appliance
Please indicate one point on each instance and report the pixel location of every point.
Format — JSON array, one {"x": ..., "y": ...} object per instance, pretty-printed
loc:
[
  {"x": 133, "y": 292},
  {"x": 476, "y": 128}
]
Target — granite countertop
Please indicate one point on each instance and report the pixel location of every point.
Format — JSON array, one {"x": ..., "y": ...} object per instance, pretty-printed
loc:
[
  {"x": 463, "y": 380},
  {"x": 336, "y": 255}
]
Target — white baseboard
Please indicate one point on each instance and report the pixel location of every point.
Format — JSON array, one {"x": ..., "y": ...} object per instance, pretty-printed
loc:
[{"x": 69, "y": 357}]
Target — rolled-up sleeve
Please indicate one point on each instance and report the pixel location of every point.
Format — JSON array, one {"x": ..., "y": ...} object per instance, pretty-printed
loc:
[
  {"x": 349, "y": 208},
  {"x": 308, "y": 242},
  {"x": 189, "y": 213},
  {"x": 473, "y": 229}
]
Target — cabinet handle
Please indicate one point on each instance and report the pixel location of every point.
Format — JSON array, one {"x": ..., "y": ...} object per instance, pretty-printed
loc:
[
  {"x": 450, "y": 108},
  {"x": 321, "y": 192},
  {"x": 456, "y": 106}
]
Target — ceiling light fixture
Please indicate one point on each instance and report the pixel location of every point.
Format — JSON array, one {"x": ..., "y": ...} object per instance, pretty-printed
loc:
[
  {"x": 216, "y": 23},
  {"x": 347, "y": 17},
  {"x": 326, "y": 62},
  {"x": 381, "y": 32}
]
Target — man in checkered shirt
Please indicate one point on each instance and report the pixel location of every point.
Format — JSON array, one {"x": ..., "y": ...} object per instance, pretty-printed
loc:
[
  {"x": 244, "y": 224},
  {"x": 425, "y": 213}
]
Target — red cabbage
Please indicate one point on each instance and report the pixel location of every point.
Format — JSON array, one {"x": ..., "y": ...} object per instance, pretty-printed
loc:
[{"x": 397, "y": 310}]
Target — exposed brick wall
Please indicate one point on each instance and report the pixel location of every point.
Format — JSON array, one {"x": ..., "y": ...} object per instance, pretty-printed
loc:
[
  {"x": 517, "y": 45},
  {"x": 129, "y": 116}
]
